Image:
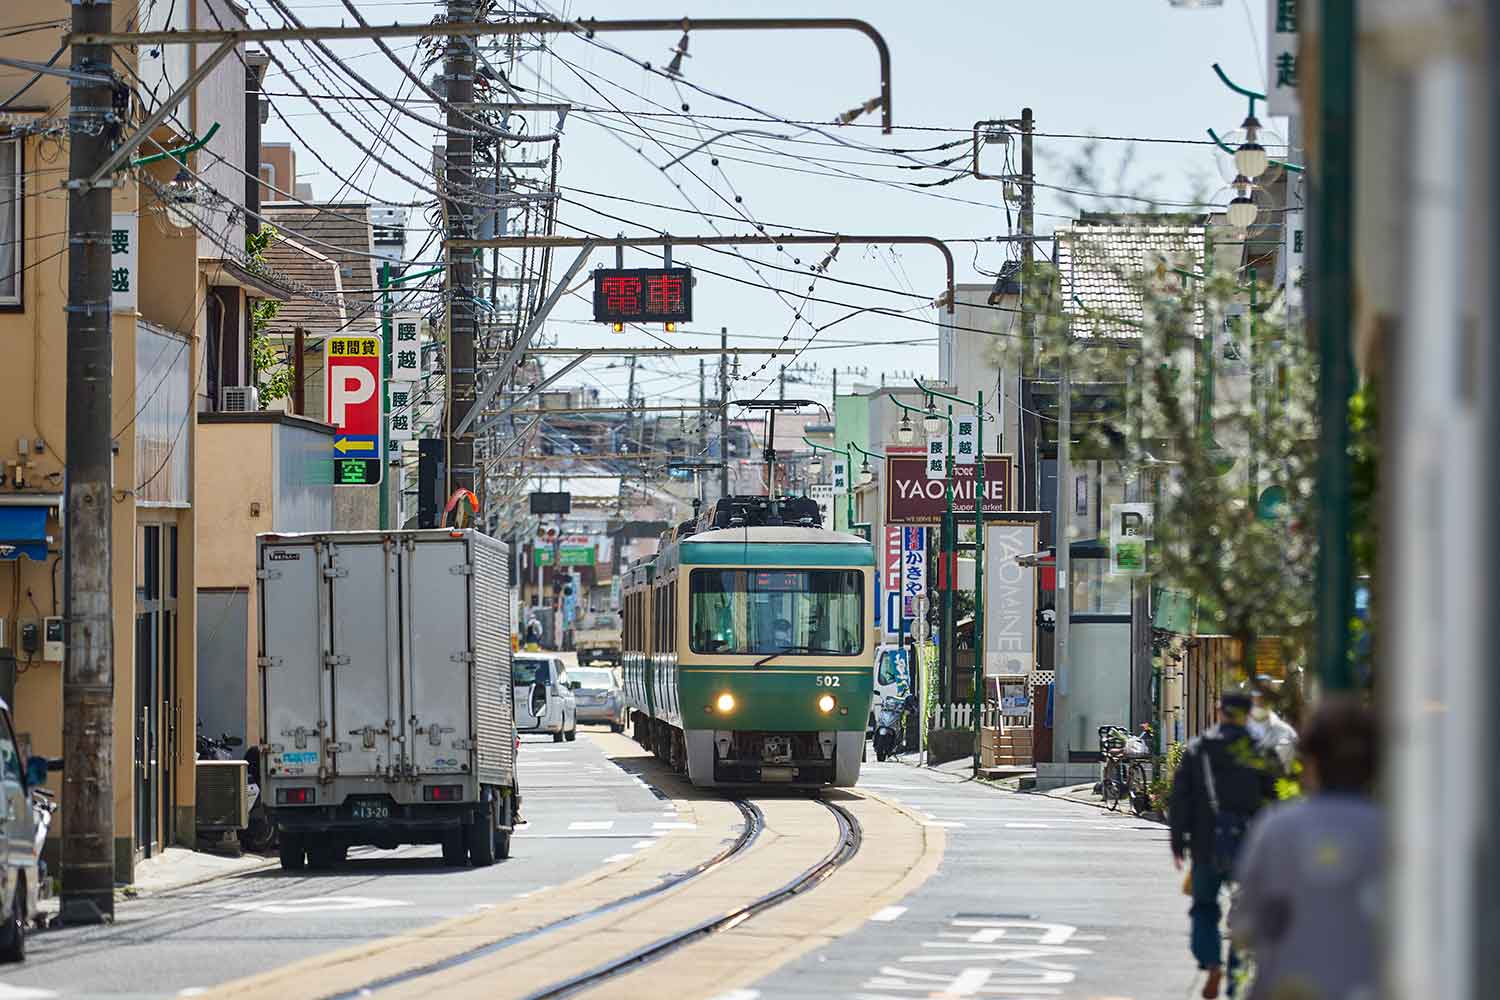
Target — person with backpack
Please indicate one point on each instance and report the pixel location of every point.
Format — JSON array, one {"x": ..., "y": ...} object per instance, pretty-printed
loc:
[{"x": 1223, "y": 780}]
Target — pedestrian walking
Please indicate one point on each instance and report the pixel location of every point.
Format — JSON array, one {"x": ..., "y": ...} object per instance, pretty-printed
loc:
[
  {"x": 1224, "y": 778},
  {"x": 1273, "y": 732},
  {"x": 1310, "y": 873}
]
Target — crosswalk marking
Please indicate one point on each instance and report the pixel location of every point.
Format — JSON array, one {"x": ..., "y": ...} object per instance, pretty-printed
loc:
[
  {"x": 601, "y": 824},
  {"x": 888, "y": 914}
]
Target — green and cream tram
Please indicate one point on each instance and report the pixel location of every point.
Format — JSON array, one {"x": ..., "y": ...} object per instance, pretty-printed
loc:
[{"x": 750, "y": 650}]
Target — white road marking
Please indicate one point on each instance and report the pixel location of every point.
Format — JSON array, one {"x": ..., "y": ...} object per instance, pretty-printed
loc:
[
  {"x": 888, "y": 914},
  {"x": 618, "y": 857},
  {"x": 604, "y": 824},
  {"x": 639, "y": 844},
  {"x": 187, "y": 991},
  {"x": 674, "y": 826},
  {"x": 738, "y": 995},
  {"x": 314, "y": 904},
  {"x": 941, "y": 822},
  {"x": 1028, "y": 826}
]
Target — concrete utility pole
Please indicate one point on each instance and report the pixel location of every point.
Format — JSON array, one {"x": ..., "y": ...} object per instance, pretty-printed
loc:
[
  {"x": 1062, "y": 547},
  {"x": 724, "y": 410},
  {"x": 458, "y": 173},
  {"x": 1030, "y": 491},
  {"x": 702, "y": 431},
  {"x": 88, "y": 843}
]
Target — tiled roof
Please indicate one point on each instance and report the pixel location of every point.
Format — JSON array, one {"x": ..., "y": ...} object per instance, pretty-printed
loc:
[
  {"x": 327, "y": 248},
  {"x": 1101, "y": 270}
]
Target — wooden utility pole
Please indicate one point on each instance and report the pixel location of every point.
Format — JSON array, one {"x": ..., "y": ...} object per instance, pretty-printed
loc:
[
  {"x": 458, "y": 173},
  {"x": 88, "y": 842}
]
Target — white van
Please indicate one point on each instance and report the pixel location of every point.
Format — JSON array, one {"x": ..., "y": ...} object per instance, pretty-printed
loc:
[{"x": 543, "y": 696}]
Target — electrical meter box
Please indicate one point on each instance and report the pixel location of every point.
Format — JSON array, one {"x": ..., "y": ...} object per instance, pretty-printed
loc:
[{"x": 52, "y": 639}]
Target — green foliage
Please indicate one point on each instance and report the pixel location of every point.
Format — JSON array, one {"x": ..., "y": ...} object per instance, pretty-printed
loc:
[
  {"x": 1161, "y": 788},
  {"x": 1204, "y": 449},
  {"x": 271, "y": 372}
]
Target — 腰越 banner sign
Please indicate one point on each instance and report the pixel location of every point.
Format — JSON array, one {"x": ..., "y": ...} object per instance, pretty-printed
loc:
[{"x": 912, "y": 498}]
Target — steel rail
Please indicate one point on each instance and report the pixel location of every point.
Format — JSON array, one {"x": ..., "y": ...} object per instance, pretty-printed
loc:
[
  {"x": 755, "y": 824},
  {"x": 850, "y": 837}
]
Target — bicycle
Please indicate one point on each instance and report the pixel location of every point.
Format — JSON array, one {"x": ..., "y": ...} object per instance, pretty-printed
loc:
[{"x": 1124, "y": 770}]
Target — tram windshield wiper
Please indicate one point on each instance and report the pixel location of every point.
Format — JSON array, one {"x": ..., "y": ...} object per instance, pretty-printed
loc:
[{"x": 798, "y": 649}]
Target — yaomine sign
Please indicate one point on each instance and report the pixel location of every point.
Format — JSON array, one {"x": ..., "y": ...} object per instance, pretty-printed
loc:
[{"x": 912, "y": 498}]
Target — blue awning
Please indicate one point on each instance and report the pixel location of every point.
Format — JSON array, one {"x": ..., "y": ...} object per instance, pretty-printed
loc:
[{"x": 23, "y": 531}]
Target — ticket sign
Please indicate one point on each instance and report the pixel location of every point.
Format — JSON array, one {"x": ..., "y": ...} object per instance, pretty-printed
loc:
[
  {"x": 643, "y": 295},
  {"x": 352, "y": 402}
]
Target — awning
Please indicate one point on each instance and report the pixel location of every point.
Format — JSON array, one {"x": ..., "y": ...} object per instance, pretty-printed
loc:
[{"x": 23, "y": 527}]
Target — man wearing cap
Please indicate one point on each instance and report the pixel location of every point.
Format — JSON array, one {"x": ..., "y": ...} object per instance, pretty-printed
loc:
[{"x": 1224, "y": 778}]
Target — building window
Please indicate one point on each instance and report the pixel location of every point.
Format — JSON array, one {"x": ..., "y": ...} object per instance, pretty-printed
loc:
[{"x": 10, "y": 222}]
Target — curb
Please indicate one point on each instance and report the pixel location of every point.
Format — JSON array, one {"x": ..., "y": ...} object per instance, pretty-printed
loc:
[{"x": 133, "y": 891}]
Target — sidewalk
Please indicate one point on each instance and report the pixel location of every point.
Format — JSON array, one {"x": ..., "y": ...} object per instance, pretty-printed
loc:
[{"x": 964, "y": 768}]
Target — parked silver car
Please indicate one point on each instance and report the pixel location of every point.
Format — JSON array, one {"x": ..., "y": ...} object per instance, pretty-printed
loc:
[
  {"x": 600, "y": 699},
  {"x": 24, "y": 819}
]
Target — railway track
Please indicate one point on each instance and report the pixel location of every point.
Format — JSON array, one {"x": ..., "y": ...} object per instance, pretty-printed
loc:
[
  {"x": 846, "y": 847},
  {"x": 755, "y": 824}
]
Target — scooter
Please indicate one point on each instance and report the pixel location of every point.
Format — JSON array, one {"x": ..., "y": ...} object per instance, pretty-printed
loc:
[
  {"x": 888, "y": 725},
  {"x": 260, "y": 835}
]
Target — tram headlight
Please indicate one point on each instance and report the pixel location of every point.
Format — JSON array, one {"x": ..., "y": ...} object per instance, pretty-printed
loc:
[
  {"x": 725, "y": 703},
  {"x": 826, "y": 703}
]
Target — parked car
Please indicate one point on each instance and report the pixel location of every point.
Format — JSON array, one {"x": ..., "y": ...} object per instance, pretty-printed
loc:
[
  {"x": 544, "y": 698},
  {"x": 23, "y": 824},
  {"x": 600, "y": 698}
]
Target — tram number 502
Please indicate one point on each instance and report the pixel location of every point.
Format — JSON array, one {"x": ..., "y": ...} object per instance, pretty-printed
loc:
[{"x": 826, "y": 681}]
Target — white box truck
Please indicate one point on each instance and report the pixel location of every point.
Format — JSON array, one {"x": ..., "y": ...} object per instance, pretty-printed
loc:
[{"x": 385, "y": 666}]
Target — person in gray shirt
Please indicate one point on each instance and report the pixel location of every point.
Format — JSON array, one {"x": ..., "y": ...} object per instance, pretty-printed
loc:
[{"x": 1310, "y": 872}]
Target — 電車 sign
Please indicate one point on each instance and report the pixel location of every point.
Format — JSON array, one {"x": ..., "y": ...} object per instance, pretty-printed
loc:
[
  {"x": 912, "y": 498},
  {"x": 643, "y": 295},
  {"x": 352, "y": 403}
]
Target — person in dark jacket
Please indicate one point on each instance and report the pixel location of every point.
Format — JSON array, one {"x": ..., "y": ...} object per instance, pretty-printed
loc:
[{"x": 1243, "y": 779}]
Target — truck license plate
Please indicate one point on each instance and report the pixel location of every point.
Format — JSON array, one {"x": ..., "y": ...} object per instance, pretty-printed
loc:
[{"x": 371, "y": 810}]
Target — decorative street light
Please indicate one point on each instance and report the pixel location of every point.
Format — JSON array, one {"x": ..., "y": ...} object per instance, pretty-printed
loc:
[
  {"x": 815, "y": 465},
  {"x": 932, "y": 423},
  {"x": 1250, "y": 159},
  {"x": 181, "y": 197},
  {"x": 1242, "y": 210},
  {"x": 905, "y": 433},
  {"x": 866, "y": 477}
]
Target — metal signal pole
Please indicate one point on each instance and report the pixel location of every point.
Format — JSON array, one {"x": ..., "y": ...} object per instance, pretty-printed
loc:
[
  {"x": 724, "y": 410},
  {"x": 458, "y": 172},
  {"x": 88, "y": 842}
]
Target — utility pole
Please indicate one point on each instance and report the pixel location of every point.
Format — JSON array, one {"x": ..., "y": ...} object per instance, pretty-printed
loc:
[
  {"x": 702, "y": 431},
  {"x": 781, "y": 383},
  {"x": 1063, "y": 609},
  {"x": 724, "y": 411},
  {"x": 630, "y": 407},
  {"x": 1027, "y": 425},
  {"x": 88, "y": 843},
  {"x": 458, "y": 170}
]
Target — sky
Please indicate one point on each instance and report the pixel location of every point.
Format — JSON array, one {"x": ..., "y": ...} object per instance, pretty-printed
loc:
[{"x": 1120, "y": 69}]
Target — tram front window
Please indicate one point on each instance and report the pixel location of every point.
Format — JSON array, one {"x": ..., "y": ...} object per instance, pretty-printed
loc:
[{"x": 749, "y": 611}]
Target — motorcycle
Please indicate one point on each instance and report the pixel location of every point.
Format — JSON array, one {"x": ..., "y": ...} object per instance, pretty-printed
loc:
[
  {"x": 260, "y": 835},
  {"x": 888, "y": 723}
]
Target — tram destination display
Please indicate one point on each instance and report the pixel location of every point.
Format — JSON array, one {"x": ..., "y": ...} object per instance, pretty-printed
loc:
[{"x": 643, "y": 295}]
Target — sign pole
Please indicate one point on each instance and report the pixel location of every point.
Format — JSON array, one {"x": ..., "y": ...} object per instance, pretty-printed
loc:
[
  {"x": 981, "y": 489},
  {"x": 385, "y": 396}
]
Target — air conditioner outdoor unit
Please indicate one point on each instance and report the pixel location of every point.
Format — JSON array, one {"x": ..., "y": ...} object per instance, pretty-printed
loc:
[
  {"x": 223, "y": 795},
  {"x": 239, "y": 399}
]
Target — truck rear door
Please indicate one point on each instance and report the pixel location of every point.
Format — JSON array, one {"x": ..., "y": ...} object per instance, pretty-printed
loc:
[
  {"x": 440, "y": 654},
  {"x": 293, "y": 643},
  {"x": 367, "y": 711}
]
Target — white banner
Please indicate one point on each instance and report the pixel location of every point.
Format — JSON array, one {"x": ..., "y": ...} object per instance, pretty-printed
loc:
[
  {"x": 406, "y": 351},
  {"x": 840, "y": 467},
  {"x": 402, "y": 420},
  {"x": 937, "y": 454},
  {"x": 1283, "y": 23},
  {"x": 822, "y": 494},
  {"x": 124, "y": 261},
  {"x": 965, "y": 440},
  {"x": 1009, "y": 599}
]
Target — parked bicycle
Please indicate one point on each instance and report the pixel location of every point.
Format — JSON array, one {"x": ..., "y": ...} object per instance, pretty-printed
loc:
[{"x": 1125, "y": 772}]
